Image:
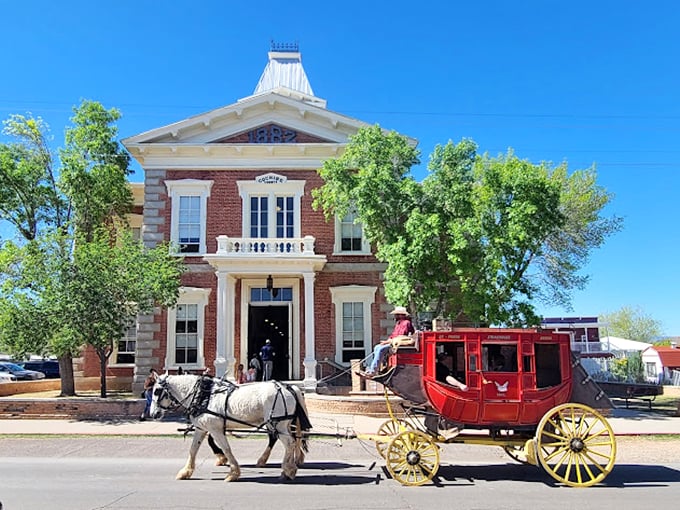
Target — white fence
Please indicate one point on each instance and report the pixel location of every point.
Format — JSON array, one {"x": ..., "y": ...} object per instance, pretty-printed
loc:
[{"x": 675, "y": 377}]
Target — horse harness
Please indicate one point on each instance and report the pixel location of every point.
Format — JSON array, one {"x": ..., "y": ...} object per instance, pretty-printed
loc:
[{"x": 197, "y": 402}]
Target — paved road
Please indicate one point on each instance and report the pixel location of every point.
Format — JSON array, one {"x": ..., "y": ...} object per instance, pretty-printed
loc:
[{"x": 135, "y": 472}]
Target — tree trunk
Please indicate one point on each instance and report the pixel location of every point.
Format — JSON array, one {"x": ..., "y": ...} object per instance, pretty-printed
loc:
[
  {"x": 103, "y": 358},
  {"x": 68, "y": 386}
]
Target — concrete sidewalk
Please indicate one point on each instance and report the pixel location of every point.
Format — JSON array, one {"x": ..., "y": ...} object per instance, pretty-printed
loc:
[{"x": 624, "y": 422}]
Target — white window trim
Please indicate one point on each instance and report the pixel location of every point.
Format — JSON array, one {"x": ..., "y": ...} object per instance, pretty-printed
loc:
[
  {"x": 114, "y": 354},
  {"x": 294, "y": 317},
  {"x": 187, "y": 296},
  {"x": 248, "y": 188},
  {"x": 337, "y": 247},
  {"x": 183, "y": 188},
  {"x": 353, "y": 294}
]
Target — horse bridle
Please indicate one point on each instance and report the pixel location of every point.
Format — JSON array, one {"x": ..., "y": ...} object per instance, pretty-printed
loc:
[{"x": 162, "y": 391}]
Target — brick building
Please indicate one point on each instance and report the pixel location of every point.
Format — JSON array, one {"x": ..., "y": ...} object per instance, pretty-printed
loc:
[{"x": 232, "y": 188}]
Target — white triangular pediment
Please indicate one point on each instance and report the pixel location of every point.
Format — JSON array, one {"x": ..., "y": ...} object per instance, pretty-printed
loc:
[{"x": 251, "y": 113}]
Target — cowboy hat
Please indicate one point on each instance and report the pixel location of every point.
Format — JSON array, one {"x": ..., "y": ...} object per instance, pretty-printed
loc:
[{"x": 400, "y": 310}]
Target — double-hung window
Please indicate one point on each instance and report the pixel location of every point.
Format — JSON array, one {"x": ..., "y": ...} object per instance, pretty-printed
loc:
[
  {"x": 127, "y": 346},
  {"x": 189, "y": 198},
  {"x": 349, "y": 236},
  {"x": 271, "y": 209},
  {"x": 186, "y": 326},
  {"x": 353, "y": 323}
]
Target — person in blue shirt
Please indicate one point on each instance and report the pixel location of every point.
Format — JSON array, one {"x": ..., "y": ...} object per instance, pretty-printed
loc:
[{"x": 267, "y": 356}]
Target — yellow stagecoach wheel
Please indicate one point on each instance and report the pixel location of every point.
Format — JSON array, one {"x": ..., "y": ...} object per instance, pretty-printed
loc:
[
  {"x": 516, "y": 453},
  {"x": 389, "y": 429},
  {"x": 412, "y": 458},
  {"x": 575, "y": 445}
]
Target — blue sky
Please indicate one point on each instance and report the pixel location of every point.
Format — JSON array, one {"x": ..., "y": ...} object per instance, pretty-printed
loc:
[{"x": 582, "y": 82}]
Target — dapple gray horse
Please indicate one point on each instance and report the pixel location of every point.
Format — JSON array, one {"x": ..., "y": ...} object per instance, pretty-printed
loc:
[{"x": 213, "y": 407}]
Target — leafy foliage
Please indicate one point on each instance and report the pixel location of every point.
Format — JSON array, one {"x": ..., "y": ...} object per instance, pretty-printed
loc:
[
  {"x": 480, "y": 238},
  {"x": 78, "y": 277},
  {"x": 632, "y": 323},
  {"x": 29, "y": 197},
  {"x": 629, "y": 369}
]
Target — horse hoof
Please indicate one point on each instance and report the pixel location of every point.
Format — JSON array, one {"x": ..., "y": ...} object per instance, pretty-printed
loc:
[
  {"x": 285, "y": 478},
  {"x": 231, "y": 478}
]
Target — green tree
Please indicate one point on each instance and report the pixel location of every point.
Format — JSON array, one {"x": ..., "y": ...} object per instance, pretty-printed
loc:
[
  {"x": 29, "y": 197},
  {"x": 44, "y": 306},
  {"x": 32, "y": 302},
  {"x": 56, "y": 303},
  {"x": 112, "y": 280},
  {"x": 480, "y": 238},
  {"x": 632, "y": 323},
  {"x": 94, "y": 169}
]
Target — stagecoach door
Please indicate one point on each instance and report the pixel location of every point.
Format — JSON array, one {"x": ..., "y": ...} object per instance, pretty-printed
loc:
[{"x": 271, "y": 322}]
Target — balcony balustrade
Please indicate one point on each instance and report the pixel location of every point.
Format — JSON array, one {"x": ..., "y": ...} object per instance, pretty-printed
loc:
[{"x": 265, "y": 247}]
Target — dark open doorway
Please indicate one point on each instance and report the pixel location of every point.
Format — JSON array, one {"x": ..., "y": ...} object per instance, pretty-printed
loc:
[{"x": 270, "y": 322}]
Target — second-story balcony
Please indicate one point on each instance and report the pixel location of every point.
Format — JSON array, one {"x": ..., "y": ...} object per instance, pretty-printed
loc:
[{"x": 265, "y": 247}]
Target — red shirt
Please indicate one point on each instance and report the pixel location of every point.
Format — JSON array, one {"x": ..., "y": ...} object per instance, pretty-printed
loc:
[{"x": 403, "y": 327}]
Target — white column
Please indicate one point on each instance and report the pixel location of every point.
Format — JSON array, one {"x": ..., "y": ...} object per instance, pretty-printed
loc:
[
  {"x": 221, "y": 324},
  {"x": 230, "y": 312},
  {"x": 309, "y": 381}
]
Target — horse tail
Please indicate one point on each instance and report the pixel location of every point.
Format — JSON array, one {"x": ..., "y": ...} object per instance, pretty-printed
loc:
[
  {"x": 301, "y": 423},
  {"x": 301, "y": 409}
]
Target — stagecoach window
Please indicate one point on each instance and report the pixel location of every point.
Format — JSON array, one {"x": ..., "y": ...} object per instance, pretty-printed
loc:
[
  {"x": 450, "y": 361},
  {"x": 499, "y": 357},
  {"x": 548, "y": 372},
  {"x": 473, "y": 362},
  {"x": 526, "y": 364}
]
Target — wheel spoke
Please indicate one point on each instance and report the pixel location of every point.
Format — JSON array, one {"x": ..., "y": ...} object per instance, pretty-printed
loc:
[
  {"x": 554, "y": 454},
  {"x": 413, "y": 458},
  {"x": 591, "y": 476},
  {"x": 557, "y": 426},
  {"x": 576, "y": 445},
  {"x": 549, "y": 448},
  {"x": 595, "y": 463},
  {"x": 567, "y": 425},
  {"x": 560, "y": 438},
  {"x": 596, "y": 435},
  {"x": 577, "y": 468}
]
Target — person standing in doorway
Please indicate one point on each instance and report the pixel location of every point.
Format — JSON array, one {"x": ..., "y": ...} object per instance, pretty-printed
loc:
[
  {"x": 267, "y": 356},
  {"x": 255, "y": 366}
]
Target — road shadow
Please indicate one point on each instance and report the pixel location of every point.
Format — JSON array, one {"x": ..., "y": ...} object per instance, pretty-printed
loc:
[
  {"x": 623, "y": 475},
  {"x": 332, "y": 474}
]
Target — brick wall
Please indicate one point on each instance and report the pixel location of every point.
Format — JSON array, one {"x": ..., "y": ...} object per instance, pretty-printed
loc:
[
  {"x": 91, "y": 408},
  {"x": 224, "y": 217},
  {"x": 70, "y": 408},
  {"x": 82, "y": 384}
]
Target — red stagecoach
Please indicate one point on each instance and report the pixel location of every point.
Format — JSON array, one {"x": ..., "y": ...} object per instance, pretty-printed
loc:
[{"x": 525, "y": 392}]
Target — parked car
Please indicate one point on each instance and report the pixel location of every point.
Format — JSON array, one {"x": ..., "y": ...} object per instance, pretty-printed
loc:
[
  {"x": 49, "y": 367},
  {"x": 6, "y": 377},
  {"x": 20, "y": 373}
]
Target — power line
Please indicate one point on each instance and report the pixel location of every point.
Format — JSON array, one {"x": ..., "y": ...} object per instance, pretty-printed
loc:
[{"x": 510, "y": 115}]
